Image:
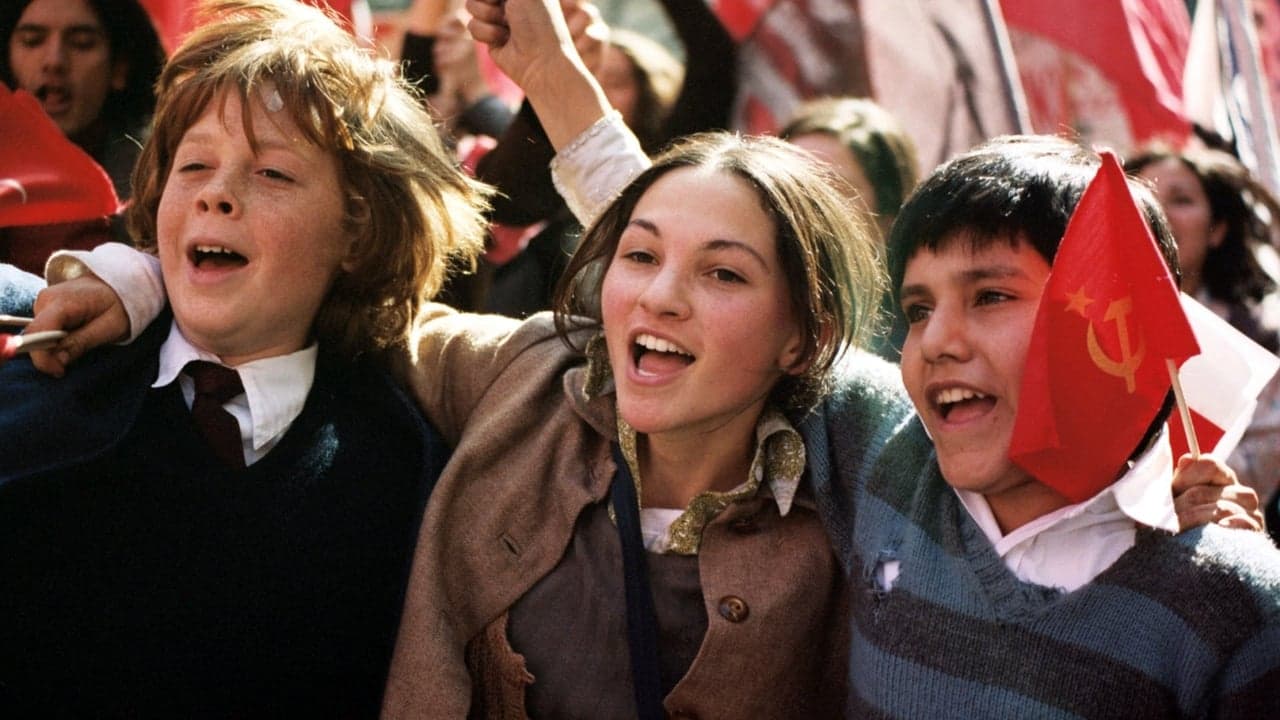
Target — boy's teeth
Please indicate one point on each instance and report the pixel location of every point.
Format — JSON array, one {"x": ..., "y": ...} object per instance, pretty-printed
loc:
[
  {"x": 954, "y": 395},
  {"x": 650, "y": 342},
  {"x": 213, "y": 249}
]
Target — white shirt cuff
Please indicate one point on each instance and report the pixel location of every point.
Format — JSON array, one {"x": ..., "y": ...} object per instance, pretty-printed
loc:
[
  {"x": 591, "y": 171},
  {"x": 132, "y": 274}
]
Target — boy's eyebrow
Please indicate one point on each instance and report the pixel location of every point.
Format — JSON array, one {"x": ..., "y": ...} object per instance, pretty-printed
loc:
[
  {"x": 913, "y": 290},
  {"x": 969, "y": 276},
  {"x": 715, "y": 244},
  {"x": 991, "y": 272}
]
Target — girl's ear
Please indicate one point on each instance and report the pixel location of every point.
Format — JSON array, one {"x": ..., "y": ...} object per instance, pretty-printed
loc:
[
  {"x": 792, "y": 362},
  {"x": 358, "y": 215}
]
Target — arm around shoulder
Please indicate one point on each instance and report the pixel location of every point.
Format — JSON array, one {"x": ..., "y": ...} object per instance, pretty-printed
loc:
[{"x": 452, "y": 359}]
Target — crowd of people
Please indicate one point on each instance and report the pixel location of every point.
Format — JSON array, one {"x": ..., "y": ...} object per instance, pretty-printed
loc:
[{"x": 392, "y": 398}]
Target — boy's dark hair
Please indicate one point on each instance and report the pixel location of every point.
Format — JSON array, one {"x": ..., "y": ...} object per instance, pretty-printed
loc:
[
  {"x": 131, "y": 37},
  {"x": 1014, "y": 188},
  {"x": 1006, "y": 189}
]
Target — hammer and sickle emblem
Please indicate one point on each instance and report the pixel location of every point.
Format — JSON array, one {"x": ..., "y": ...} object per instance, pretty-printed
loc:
[{"x": 1130, "y": 360}]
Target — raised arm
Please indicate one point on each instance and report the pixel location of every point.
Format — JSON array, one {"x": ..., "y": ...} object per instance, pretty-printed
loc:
[
  {"x": 531, "y": 41},
  {"x": 519, "y": 165}
]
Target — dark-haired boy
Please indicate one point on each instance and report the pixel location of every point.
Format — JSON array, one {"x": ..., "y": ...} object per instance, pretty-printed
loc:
[{"x": 981, "y": 591}]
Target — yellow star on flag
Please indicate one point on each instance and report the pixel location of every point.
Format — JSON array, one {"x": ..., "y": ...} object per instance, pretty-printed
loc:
[{"x": 1078, "y": 301}]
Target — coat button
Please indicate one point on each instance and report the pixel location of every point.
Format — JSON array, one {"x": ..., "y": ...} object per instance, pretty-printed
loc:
[{"x": 733, "y": 608}]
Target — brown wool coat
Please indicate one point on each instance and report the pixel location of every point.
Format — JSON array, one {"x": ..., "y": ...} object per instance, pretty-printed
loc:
[{"x": 532, "y": 451}]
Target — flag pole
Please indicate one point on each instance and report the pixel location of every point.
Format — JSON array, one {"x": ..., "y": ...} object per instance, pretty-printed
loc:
[{"x": 1192, "y": 443}]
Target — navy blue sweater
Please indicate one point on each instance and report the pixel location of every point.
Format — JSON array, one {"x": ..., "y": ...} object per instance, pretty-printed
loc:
[{"x": 139, "y": 577}]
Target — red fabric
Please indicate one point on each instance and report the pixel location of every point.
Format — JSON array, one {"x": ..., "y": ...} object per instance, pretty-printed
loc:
[
  {"x": 29, "y": 247},
  {"x": 1139, "y": 45},
  {"x": 50, "y": 180},
  {"x": 175, "y": 18},
  {"x": 740, "y": 17},
  {"x": 1095, "y": 371},
  {"x": 792, "y": 50},
  {"x": 8, "y": 347},
  {"x": 1207, "y": 433},
  {"x": 172, "y": 19}
]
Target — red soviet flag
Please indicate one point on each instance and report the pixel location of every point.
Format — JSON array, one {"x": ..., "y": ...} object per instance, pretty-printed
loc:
[{"x": 1096, "y": 371}]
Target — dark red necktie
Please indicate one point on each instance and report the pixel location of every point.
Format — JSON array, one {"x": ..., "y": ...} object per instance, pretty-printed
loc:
[{"x": 215, "y": 385}]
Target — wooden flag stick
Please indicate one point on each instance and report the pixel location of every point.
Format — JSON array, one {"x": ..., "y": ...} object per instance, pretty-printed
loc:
[
  {"x": 1192, "y": 442},
  {"x": 14, "y": 320}
]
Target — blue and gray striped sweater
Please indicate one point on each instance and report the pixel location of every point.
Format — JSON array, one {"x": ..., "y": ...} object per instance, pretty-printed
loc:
[{"x": 1179, "y": 626}]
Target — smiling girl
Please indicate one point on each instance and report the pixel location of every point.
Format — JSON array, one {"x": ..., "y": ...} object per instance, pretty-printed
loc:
[{"x": 711, "y": 297}]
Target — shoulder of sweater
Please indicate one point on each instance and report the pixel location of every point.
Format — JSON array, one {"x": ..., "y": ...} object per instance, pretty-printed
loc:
[
  {"x": 18, "y": 290},
  {"x": 863, "y": 382},
  {"x": 902, "y": 466},
  {"x": 1249, "y": 557}
]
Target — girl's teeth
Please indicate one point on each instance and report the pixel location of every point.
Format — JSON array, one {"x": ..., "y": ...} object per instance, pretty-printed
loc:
[{"x": 650, "y": 342}]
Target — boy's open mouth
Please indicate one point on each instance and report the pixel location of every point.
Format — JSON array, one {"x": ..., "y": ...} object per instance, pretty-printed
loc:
[
  {"x": 208, "y": 257},
  {"x": 960, "y": 404}
]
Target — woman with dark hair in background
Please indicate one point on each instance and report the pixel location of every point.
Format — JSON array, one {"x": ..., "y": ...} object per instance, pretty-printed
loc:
[
  {"x": 1222, "y": 218},
  {"x": 870, "y": 151},
  {"x": 865, "y": 144}
]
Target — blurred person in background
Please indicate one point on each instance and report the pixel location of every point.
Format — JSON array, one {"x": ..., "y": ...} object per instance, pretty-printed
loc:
[
  {"x": 872, "y": 153},
  {"x": 656, "y": 96},
  {"x": 92, "y": 65},
  {"x": 865, "y": 144},
  {"x": 1223, "y": 219}
]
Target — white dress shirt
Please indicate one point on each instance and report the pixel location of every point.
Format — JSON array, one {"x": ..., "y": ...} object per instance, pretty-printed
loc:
[{"x": 1072, "y": 545}]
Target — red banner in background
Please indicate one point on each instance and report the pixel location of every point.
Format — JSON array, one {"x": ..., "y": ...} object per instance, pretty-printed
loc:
[
  {"x": 943, "y": 69},
  {"x": 740, "y": 17},
  {"x": 1096, "y": 371},
  {"x": 1112, "y": 70},
  {"x": 175, "y": 18}
]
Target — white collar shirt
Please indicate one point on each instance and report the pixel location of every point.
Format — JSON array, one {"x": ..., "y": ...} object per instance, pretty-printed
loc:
[
  {"x": 275, "y": 390},
  {"x": 1072, "y": 545}
]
